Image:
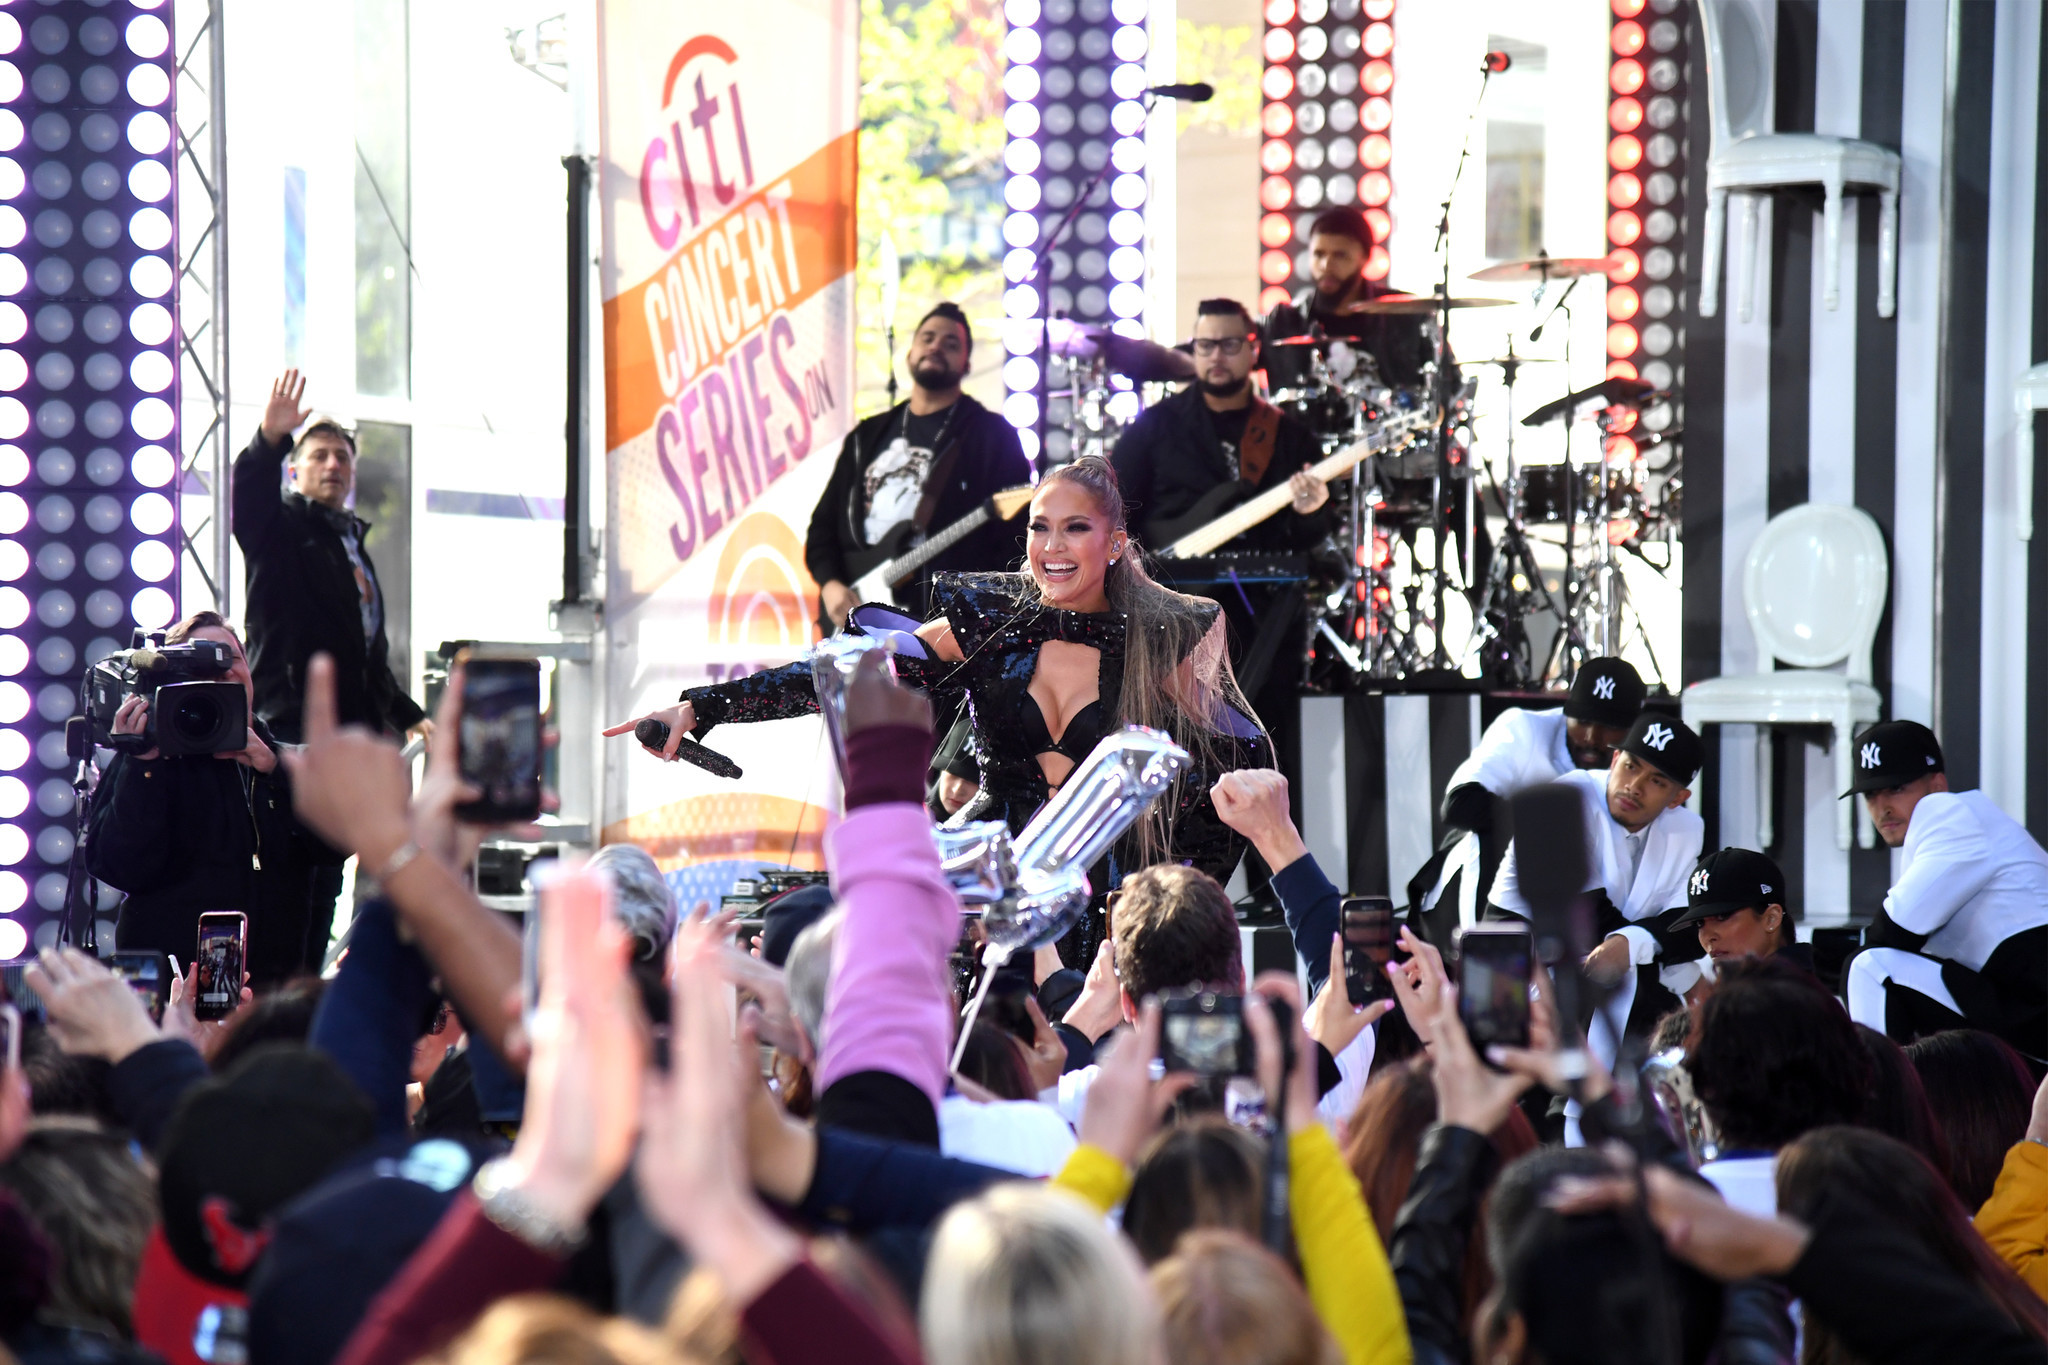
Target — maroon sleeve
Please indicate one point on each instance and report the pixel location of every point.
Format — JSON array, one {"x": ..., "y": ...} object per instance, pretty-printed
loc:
[
  {"x": 465, "y": 1266},
  {"x": 804, "y": 1316},
  {"x": 887, "y": 763}
]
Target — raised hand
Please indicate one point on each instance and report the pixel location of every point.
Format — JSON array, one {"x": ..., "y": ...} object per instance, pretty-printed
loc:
[
  {"x": 874, "y": 698},
  {"x": 1253, "y": 801},
  {"x": 283, "y": 413},
  {"x": 1468, "y": 1095},
  {"x": 1125, "y": 1104},
  {"x": 181, "y": 1019},
  {"x": 693, "y": 1168},
  {"x": 1332, "y": 1020},
  {"x": 350, "y": 786},
  {"x": 583, "y": 1083},
  {"x": 1418, "y": 981},
  {"x": 92, "y": 1012}
]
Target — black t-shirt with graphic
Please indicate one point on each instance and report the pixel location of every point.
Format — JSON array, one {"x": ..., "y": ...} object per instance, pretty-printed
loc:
[{"x": 894, "y": 482}]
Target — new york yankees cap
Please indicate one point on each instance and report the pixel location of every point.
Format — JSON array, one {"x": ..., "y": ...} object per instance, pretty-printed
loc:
[
  {"x": 1892, "y": 753},
  {"x": 1608, "y": 691},
  {"x": 1731, "y": 879},
  {"x": 1667, "y": 744}
]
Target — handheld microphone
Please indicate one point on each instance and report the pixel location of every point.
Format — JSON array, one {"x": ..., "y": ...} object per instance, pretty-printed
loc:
[
  {"x": 1496, "y": 62},
  {"x": 1193, "y": 94}
]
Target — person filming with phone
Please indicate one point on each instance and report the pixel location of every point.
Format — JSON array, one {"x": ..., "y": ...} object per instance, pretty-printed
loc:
[{"x": 208, "y": 832}]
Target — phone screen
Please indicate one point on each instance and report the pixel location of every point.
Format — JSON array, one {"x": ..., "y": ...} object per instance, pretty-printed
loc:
[
  {"x": 1368, "y": 927},
  {"x": 223, "y": 941},
  {"x": 10, "y": 1036},
  {"x": 1205, "y": 1035},
  {"x": 148, "y": 975},
  {"x": 500, "y": 738},
  {"x": 1493, "y": 986}
]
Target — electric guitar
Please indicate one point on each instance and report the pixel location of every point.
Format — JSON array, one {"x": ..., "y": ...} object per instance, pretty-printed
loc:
[
  {"x": 881, "y": 569},
  {"x": 1207, "y": 525}
]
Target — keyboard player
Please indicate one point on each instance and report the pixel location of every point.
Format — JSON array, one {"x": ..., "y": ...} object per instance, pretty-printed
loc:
[{"x": 1217, "y": 435}]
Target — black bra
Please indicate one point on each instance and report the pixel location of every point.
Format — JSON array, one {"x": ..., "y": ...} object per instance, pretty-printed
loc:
[{"x": 1076, "y": 742}]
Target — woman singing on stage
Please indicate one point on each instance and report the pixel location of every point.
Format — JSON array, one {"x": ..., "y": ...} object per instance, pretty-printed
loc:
[{"x": 1051, "y": 661}]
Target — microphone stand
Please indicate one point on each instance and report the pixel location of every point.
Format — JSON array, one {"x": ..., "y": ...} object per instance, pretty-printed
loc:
[
  {"x": 891, "y": 343},
  {"x": 1440, "y": 381},
  {"x": 1059, "y": 234}
]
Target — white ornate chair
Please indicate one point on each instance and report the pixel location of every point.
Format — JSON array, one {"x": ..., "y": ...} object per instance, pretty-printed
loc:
[
  {"x": 1813, "y": 586},
  {"x": 1748, "y": 158}
]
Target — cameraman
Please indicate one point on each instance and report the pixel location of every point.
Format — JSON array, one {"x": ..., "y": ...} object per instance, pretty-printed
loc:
[{"x": 186, "y": 835}]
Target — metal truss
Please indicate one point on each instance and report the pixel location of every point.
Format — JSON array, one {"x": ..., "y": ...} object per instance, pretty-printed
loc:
[{"x": 205, "y": 435}]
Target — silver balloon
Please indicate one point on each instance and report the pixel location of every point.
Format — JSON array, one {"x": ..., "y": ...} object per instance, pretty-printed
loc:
[
  {"x": 1102, "y": 798},
  {"x": 1683, "y": 1116},
  {"x": 978, "y": 860},
  {"x": 832, "y": 664}
]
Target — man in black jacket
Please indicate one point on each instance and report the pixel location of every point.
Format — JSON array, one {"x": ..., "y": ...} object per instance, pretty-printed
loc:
[
  {"x": 186, "y": 835},
  {"x": 311, "y": 586},
  {"x": 1217, "y": 433},
  {"x": 909, "y": 473}
]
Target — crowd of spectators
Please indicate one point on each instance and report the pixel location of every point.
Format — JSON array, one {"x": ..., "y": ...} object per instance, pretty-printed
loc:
[{"x": 676, "y": 1147}]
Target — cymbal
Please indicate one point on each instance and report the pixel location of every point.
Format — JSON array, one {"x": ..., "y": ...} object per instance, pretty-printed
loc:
[
  {"x": 1419, "y": 305},
  {"x": 1617, "y": 392},
  {"x": 1541, "y": 268},
  {"x": 1075, "y": 340},
  {"x": 1512, "y": 360},
  {"x": 1298, "y": 341}
]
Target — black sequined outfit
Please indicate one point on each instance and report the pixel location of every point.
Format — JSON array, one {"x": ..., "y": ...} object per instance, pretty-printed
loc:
[{"x": 1000, "y": 627}]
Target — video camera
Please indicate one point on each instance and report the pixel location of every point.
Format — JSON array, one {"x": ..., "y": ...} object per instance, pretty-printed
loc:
[{"x": 189, "y": 713}]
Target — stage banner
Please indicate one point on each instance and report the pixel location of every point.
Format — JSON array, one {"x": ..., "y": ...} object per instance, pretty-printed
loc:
[{"x": 727, "y": 189}]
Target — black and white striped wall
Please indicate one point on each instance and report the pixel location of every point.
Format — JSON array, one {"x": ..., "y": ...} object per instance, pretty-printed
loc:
[{"x": 1910, "y": 418}]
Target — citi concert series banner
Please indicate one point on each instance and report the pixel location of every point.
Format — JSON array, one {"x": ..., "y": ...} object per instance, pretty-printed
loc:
[{"x": 727, "y": 188}]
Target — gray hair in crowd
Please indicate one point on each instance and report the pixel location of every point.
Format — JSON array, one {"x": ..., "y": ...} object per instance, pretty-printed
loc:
[
  {"x": 641, "y": 899},
  {"x": 809, "y": 970}
]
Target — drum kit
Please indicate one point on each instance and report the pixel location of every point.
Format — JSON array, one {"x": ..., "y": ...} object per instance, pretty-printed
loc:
[{"x": 1410, "y": 576}]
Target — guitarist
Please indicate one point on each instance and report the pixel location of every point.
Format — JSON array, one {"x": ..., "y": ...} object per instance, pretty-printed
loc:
[
  {"x": 1217, "y": 434},
  {"x": 913, "y": 471}
]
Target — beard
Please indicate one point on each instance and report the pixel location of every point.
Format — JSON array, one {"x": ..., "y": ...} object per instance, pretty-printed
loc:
[
  {"x": 931, "y": 374},
  {"x": 1230, "y": 390}
]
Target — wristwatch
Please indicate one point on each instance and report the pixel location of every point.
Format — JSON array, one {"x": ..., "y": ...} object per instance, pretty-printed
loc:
[{"x": 507, "y": 1206}]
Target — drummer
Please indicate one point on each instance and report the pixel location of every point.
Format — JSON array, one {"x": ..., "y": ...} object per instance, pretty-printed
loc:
[
  {"x": 1218, "y": 433},
  {"x": 1339, "y": 241}
]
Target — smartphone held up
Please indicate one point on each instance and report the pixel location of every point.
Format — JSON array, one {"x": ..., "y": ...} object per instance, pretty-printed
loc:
[
  {"x": 500, "y": 739},
  {"x": 1367, "y": 923},
  {"x": 1495, "y": 964},
  {"x": 223, "y": 952}
]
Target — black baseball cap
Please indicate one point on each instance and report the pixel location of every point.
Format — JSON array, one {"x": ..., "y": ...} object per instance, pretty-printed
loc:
[
  {"x": 245, "y": 1143},
  {"x": 1892, "y": 753},
  {"x": 1608, "y": 691},
  {"x": 1667, "y": 744},
  {"x": 1731, "y": 879}
]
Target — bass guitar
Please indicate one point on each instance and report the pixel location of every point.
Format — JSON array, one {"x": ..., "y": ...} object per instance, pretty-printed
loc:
[
  {"x": 881, "y": 569},
  {"x": 1228, "y": 510}
]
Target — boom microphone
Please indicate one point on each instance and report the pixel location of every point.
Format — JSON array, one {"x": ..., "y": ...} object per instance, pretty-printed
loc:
[
  {"x": 1193, "y": 94},
  {"x": 1495, "y": 63}
]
